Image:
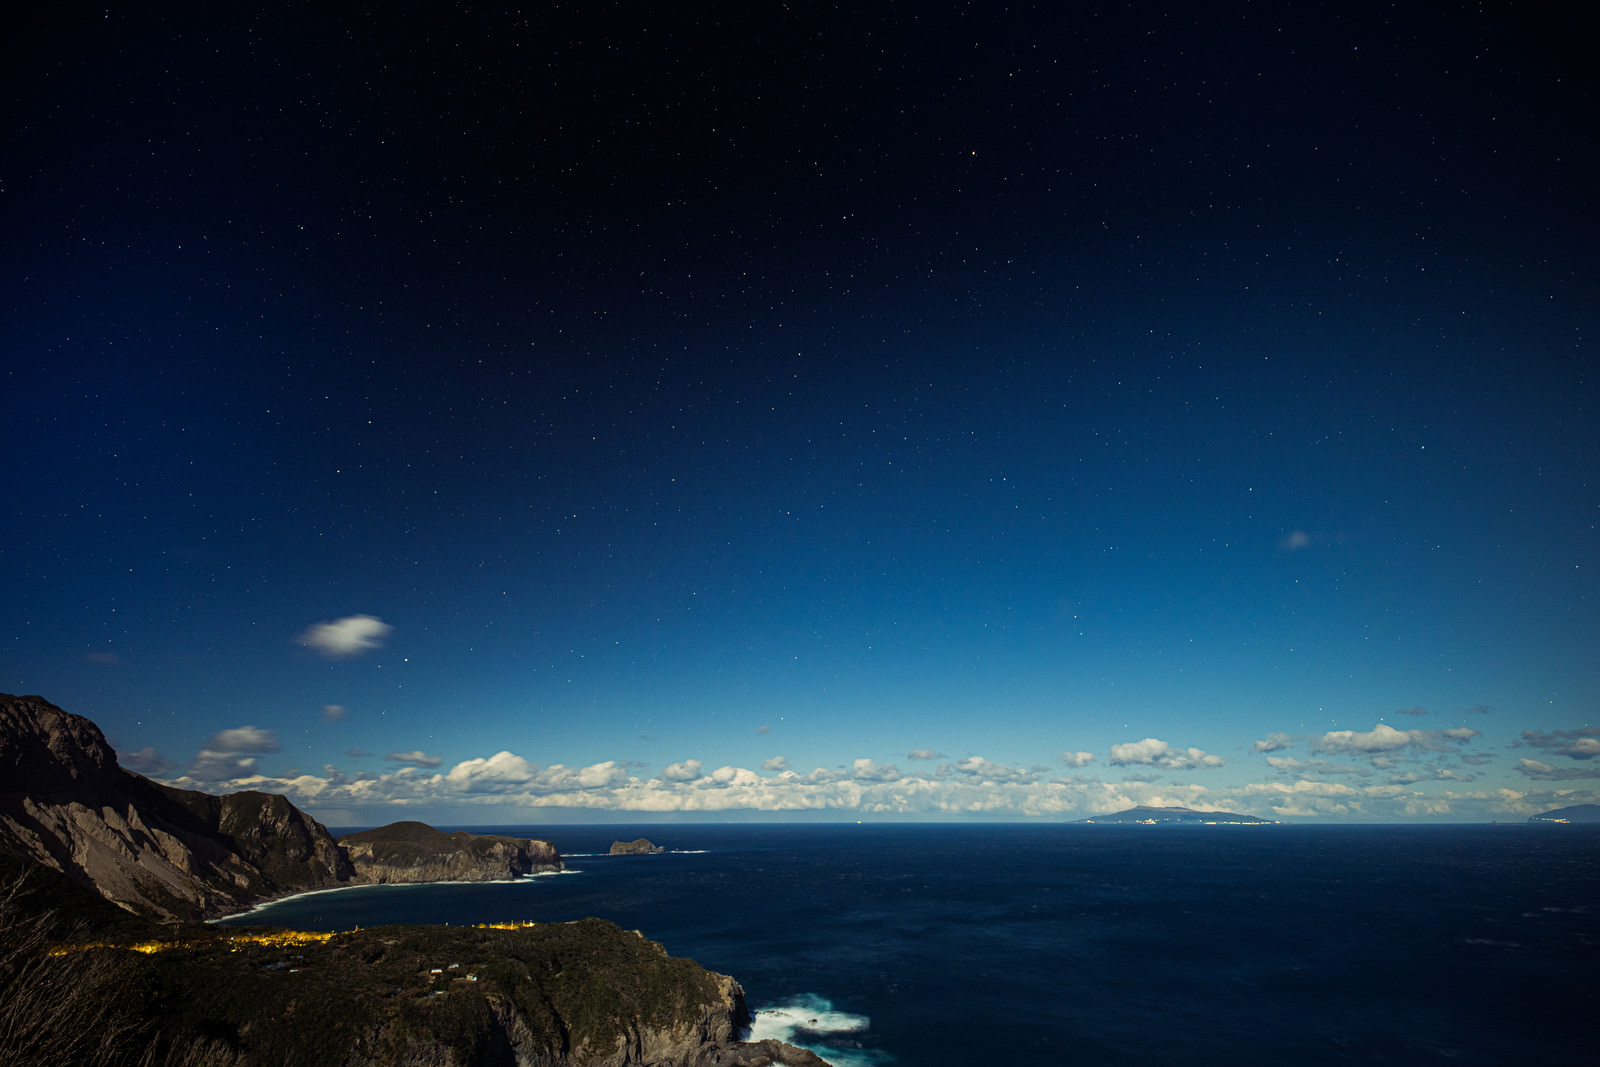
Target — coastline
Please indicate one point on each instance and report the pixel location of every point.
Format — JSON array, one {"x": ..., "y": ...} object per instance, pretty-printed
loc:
[{"x": 259, "y": 905}]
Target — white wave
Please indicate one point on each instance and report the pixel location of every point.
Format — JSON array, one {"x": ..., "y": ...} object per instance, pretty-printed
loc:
[{"x": 812, "y": 1022}]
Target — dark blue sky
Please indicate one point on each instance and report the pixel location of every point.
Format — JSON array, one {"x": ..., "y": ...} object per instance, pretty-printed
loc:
[{"x": 903, "y": 410}]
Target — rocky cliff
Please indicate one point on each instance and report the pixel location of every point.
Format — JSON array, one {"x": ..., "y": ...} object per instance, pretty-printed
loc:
[
  {"x": 151, "y": 849},
  {"x": 416, "y": 852},
  {"x": 584, "y": 994},
  {"x": 639, "y": 847}
]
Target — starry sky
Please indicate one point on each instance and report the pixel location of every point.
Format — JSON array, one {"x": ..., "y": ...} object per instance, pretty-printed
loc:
[{"x": 607, "y": 412}]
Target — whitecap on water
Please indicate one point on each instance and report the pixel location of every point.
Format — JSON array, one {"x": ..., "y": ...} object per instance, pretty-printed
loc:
[{"x": 812, "y": 1022}]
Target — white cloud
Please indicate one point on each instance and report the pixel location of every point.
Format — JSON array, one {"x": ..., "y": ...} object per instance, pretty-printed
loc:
[
  {"x": 1077, "y": 759},
  {"x": 924, "y": 754},
  {"x": 988, "y": 771},
  {"x": 146, "y": 761},
  {"x": 1548, "y": 772},
  {"x": 1384, "y": 739},
  {"x": 243, "y": 739},
  {"x": 1153, "y": 752},
  {"x": 349, "y": 636},
  {"x": 1581, "y": 744},
  {"x": 414, "y": 758},
  {"x": 1276, "y": 742},
  {"x": 498, "y": 772},
  {"x": 332, "y": 712},
  {"x": 687, "y": 771},
  {"x": 508, "y": 783},
  {"x": 776, "y": 763}
]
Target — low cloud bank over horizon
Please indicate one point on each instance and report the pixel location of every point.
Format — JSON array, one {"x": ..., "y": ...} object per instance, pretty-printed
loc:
[{"x": 1375, "y": 787}]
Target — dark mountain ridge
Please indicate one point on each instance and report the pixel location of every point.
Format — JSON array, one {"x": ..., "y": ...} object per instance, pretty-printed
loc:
[{"x": 154, "y": 850}]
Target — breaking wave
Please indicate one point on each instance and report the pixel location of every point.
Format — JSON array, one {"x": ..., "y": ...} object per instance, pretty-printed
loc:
[{"x": 812, "y": 1022}]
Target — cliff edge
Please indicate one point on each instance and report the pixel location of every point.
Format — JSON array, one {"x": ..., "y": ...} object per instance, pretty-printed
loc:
[{"x": 416, "y": 852}]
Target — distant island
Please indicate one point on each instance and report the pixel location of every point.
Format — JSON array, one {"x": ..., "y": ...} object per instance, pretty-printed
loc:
[
  {"x": 640, "y": 847},
  {"x": 104, "y": 875},
  {"x": 1576, "y": 813},
  {"x": 1145, "y": 815}
]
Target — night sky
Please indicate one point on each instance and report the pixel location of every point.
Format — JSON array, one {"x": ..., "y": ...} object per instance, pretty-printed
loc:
[{"x": 920, "y": 411}]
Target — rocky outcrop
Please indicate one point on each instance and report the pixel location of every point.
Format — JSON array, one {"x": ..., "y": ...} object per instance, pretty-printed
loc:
[
  {"x": 416, "y": 852},
  {"x": 640, "y": 847},
  {"x": 151, "y": 849}
]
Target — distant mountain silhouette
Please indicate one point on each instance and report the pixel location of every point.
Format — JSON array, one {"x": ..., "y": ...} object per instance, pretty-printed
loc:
[
  {"x": 1576, "y": 813},
  {"x": 1146, "y": 815}
]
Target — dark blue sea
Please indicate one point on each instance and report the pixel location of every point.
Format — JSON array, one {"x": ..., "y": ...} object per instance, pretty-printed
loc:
[{"x": 945, "y": 945}]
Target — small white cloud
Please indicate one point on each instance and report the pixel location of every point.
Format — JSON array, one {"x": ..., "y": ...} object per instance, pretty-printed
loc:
[
  {"x": 146, "y": 761},
  {"x": 243, "y": 739},
  {"x": 332, "y": 712},
  {"x": 1276, "y": 742},
  {"x": 976, "y": 767},
  {"x": 1582, "y": 743},
  {"x": 1547, "y": 772},
  {"x": 1077, "y": 759},
  {"x": 776, "y": 763},
  {"x": 1383, "y": 741},
  {"x": 1154, "y": 752},
  {"x": 349, "y": 636},
  {"x": 866, "y": 770},
  {"x": 924, "y": 754},
  {"x": 687, "y": 771},
  {"x": 414, "y": 759},
  {"x": 213, "y": 766}
]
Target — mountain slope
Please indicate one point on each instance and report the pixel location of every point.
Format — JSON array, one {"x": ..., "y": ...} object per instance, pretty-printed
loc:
[{"x": 151, "y": 849}]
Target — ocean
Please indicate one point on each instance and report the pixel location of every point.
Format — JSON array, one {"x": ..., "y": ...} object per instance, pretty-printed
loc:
[{"x": 939, "y": 945}]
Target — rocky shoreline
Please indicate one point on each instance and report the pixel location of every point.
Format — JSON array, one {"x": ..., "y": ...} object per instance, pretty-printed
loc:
[{"x": 106, "y": 875}]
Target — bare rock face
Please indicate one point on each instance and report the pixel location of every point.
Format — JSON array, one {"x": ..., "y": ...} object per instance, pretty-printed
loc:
[
  {"x": 416, "y": 852},
  {"x": 151, "y": 849},
  {"x": 639, "y": 847}
]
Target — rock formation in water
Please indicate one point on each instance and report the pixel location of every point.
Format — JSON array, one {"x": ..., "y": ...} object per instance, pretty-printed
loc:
[
  {"x": 416, "y": 852},
  {"x": 639, "y": 847},
  {"x": 153, "y": 850}
]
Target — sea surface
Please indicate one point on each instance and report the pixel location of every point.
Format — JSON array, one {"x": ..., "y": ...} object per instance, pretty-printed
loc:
[{"x": 944, "y": 945}]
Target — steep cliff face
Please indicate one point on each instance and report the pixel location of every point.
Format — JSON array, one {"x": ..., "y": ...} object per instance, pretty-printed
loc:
[
  {"x": 416, "y": 852},
  {"x": 151, "y": 849}
]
